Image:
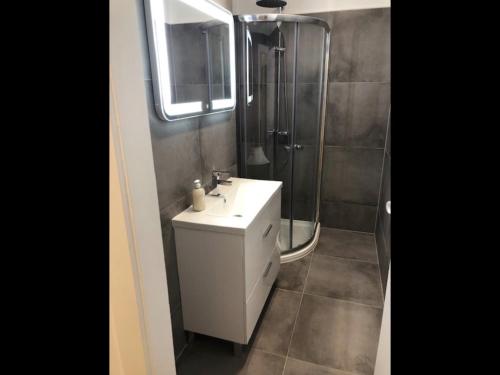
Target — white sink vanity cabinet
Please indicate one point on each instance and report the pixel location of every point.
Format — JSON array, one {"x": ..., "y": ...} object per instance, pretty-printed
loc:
[{"x": 228, "y": 258}]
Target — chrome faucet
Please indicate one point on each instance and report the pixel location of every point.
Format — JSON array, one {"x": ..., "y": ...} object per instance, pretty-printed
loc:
[{"x": 216, "y": 178}]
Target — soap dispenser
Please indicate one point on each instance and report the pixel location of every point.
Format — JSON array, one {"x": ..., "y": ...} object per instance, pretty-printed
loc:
[{"x": 198, "y": 196}]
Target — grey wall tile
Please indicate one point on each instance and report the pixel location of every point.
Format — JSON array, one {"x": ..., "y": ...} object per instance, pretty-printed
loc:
[
  {"x": 388, "y": 141},
  {"x": 309, "y": 69},
  {"x": 337, "y": 108},
  {"x": 351, "y": 175},
  {"x": 357, "y": 114},
  {"x": 358, "y": 104},
  {"x": 383, "y": 226},
  {"x": 385, "y": 196},
  {"x": 352, "y": 216},
  {"x": 305, "y": 165},
  {"x": 176, "y": 155},
  {"x": 218, "y": 143},
  {"x": 307, "y": 113},
  {"x": 361, "y": 46},
  {"x": 177, "y": 163}
]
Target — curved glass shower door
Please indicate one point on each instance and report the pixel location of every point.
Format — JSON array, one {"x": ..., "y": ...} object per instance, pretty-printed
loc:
[
  {"x": 281, "y": 95},
  {"x": 307, "y": 136}
]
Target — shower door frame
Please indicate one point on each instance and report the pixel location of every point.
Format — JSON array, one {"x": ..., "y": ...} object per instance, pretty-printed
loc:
[{"x": 302, "y": 250}]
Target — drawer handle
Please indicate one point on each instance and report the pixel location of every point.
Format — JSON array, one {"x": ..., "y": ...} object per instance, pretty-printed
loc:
[
  {"x": 267, "y": 269},
  {"x": 267, "y": 230}
]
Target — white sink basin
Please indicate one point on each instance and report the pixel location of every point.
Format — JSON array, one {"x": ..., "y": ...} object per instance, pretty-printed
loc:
[
  {"x": 244, "y": 199},
  {"x": 234, "y": 200}
]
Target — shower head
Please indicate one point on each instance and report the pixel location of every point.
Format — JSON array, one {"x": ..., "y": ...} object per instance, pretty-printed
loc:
[{"x": 271, "y": 3}]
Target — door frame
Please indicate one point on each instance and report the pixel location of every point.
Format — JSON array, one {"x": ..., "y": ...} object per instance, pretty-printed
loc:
[{"x": 130, "y": 132}]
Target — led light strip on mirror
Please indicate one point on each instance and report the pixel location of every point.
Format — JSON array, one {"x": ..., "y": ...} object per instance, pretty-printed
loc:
[{"x": 158, "y": 46}]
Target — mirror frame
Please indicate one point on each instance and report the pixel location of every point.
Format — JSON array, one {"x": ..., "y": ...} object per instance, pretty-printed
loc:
[{"x": 160, "y": 70}]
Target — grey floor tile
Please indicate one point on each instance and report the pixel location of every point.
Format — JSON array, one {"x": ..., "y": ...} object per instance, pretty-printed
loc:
[
  {"x": 346, "y": 279},
  {"x": 337, "y": 334},
  {"x": 292, "y": 275},
  {"x": 296, "y": 367},
  {"x": 347, "y": 244},
  {"x": 274, "y": 330},
  {"x": 208, "y": 355}
]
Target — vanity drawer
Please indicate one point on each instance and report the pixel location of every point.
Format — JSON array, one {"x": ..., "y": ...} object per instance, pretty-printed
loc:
[
  {"x": 260, "y": 241},
  {"x": 259, "y": 295}
]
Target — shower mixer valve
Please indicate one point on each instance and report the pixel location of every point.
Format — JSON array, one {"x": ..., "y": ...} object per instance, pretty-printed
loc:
[{"x": 297, "y": 147}]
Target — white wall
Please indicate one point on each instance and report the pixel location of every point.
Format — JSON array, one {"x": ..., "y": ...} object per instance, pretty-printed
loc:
[
  {"x": 127, "y": 352},
  {"x": 309, "y": 6},
  {"x": 178, "y": 11},
  {"x": 228, "y": 4}
]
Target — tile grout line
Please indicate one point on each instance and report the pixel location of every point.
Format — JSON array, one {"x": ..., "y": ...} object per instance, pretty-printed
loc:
[
  {"x": 356, "y": 260},
  {"x": 345, "y": 300},
  {"x": 288, "y": 290},
  {"x": 382, "y": 170},
  {"x": 297, "y": 314},
  {"x": 377, "y": 221},
  {"x": 353, "y": 259},
  {"x": 381, "y": 285},
  {"x": 348, "y": 230},
  {"x": 327, "y": 367},
  {"x": 265, "y": 351}
]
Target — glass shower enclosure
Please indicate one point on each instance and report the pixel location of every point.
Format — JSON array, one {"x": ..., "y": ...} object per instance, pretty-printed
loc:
[{"x": 283, "y": 68}]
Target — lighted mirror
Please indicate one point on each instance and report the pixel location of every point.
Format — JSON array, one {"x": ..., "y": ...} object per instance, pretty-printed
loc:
[{"x": 191, "y": 48}]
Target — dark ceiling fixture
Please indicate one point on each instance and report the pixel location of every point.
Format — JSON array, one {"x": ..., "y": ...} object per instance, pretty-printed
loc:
[{"x": 271, "y": 3}]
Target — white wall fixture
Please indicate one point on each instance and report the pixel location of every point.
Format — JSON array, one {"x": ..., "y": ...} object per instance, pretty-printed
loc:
[{"x": 192, "y": 55}]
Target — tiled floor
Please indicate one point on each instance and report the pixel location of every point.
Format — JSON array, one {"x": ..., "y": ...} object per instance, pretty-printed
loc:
[{"x": 322, "y": 318}]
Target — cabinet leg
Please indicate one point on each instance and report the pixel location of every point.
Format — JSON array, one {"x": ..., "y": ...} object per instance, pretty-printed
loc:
[{"x": 237, "y": 349}]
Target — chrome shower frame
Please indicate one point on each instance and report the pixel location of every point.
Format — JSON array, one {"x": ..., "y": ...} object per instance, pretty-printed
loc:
[{"x": 304, "y": 249}]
